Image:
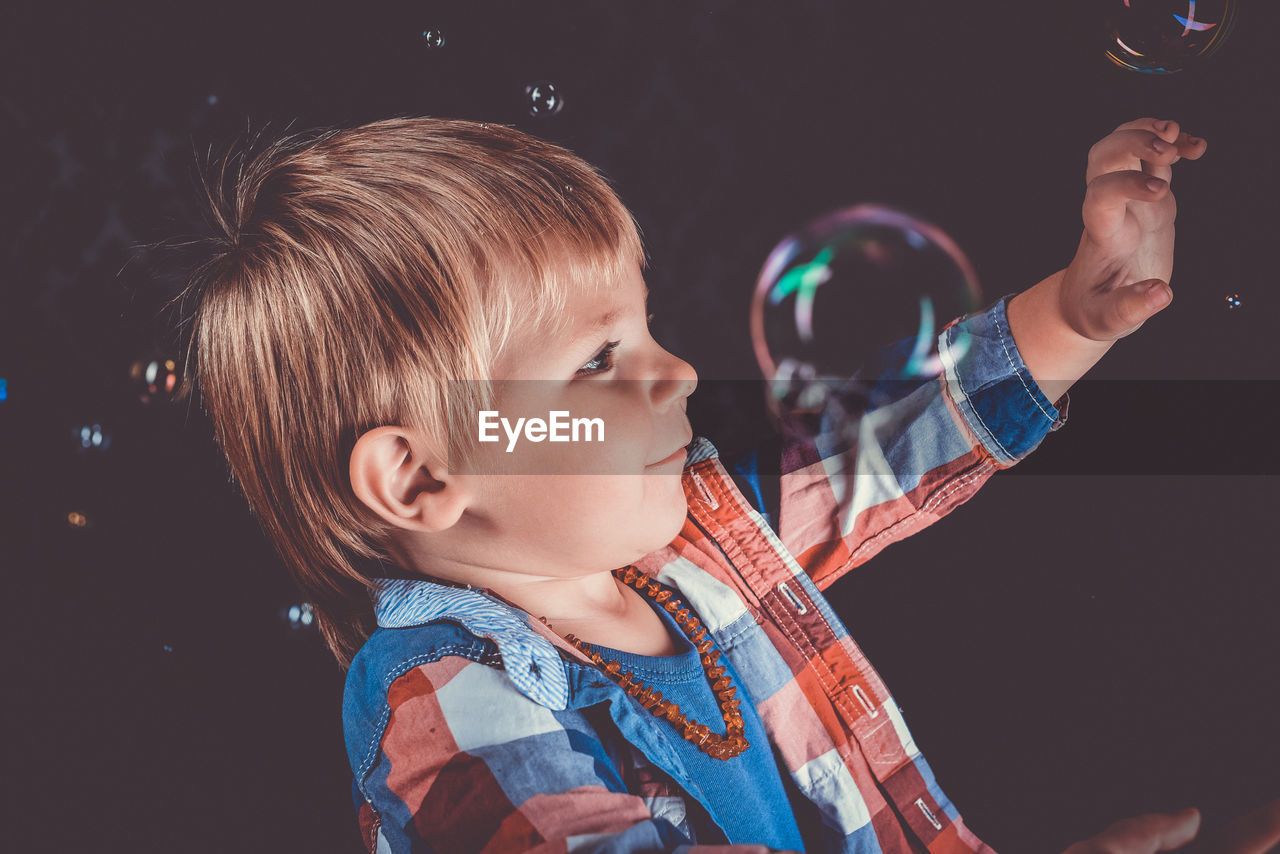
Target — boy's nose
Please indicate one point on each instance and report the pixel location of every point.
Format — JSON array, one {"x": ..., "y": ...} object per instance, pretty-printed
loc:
[{"x": 677, "y": 380}]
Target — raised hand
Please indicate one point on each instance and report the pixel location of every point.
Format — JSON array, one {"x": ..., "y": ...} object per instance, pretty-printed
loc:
[{"x": 1120, "y": 274}]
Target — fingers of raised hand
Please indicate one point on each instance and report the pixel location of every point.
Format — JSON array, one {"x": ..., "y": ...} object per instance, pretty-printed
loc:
[
  {"x": 1189, "y": 146},
  {"x": 1150, "y": 144},
  {"x": 1107, "y": 195},
  {"x": 1168, "y": 129}
]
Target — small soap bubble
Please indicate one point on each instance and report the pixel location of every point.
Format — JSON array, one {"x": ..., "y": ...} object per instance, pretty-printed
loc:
[
  {"x": 76, "y": 519},
  {"x": 212, "y": 100},
  {"x": 167, "y": 661},
  {"x": 299, "y": 616},
  {"x": 848, "y": 309},
  {"x": 1233, "y": 301},
  {"x": 433, "y": 38},
  {"x": 91, "y": 438},
  {"x": 155, "y": 379},
  {"x": 4, "y": 389},
  {"x": 543, "y": 99},
  {"x": 1165, "y": 36}
]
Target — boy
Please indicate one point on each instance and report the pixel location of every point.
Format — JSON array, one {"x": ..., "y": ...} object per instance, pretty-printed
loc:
[{"x": 539, "y": 660}]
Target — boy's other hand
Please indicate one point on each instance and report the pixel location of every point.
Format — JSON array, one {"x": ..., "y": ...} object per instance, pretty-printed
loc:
[
  {"x": 1120, "y": 274},
  {"x": 1144, "y": 834},
  {"x": 1255, "y": 833}
]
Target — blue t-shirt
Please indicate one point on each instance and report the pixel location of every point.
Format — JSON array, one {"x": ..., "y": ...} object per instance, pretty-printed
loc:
[{"x": 746, "y": 792}]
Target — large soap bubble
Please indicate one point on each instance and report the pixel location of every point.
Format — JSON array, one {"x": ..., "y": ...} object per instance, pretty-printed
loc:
[
  {"x": 847, "y": 311},
  {"x": 1165, "y": 36}
]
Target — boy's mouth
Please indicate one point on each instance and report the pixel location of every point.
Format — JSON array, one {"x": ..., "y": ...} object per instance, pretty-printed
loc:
[{"x": 679, "y": 454}]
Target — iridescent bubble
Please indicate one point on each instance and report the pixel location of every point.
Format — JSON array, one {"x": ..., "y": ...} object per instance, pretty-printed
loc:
[
  {"x": 155, "y": 378},
  {"x": 848, "y": 310},
  {"x": 1165, "y": 36},
  {"x": 433, "y": 38},
  {"x": 4, "y": 389},
  {"x": 1233, "y": 301},
  {"x": 543, "y": 99},
  {"x": 76, "y": 519}
]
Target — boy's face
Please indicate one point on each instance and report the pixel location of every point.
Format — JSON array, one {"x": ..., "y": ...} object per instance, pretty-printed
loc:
[{"x": 559, "y": 508}]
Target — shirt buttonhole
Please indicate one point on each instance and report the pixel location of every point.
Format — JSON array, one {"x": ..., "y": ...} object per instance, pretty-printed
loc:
[
  {"x": 928, "y": 813},
  {"x": 795, "y": 600},
  {"x": 706, "y": 493},
  {"x": 865, "y": 701}
]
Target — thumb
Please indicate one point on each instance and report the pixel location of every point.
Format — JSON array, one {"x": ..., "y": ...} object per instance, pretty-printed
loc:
[{"x": 1133, "y": 304}]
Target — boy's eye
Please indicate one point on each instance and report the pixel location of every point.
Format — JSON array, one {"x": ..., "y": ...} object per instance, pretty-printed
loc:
[{"x": 602, "y": 361}]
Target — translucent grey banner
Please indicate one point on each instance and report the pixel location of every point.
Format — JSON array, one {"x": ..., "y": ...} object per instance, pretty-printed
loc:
[{"x": 598, "y": 425}]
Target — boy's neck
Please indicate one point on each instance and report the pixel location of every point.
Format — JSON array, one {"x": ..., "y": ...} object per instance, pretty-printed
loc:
[
  {"x": 599, "y": 608},
  {"x": 598, "y": 597}
]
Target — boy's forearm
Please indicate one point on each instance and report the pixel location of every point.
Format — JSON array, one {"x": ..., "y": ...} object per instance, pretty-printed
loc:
[{"x": 1054, "y": 353}]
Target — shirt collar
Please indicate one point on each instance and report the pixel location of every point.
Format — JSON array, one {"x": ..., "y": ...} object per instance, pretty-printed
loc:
[{"x": 532, "y": 661}]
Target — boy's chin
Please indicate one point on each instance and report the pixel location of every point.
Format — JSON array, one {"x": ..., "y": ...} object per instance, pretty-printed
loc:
[
  {"x": 659, "y": 527},
  {"x": 673, "y": 522}
]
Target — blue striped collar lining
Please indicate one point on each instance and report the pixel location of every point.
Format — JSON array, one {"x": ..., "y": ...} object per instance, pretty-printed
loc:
[{"x": 530, "y": 660}]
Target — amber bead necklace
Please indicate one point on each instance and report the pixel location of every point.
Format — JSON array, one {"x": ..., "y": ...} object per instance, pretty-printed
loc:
[{"x": 713, "y": 744}]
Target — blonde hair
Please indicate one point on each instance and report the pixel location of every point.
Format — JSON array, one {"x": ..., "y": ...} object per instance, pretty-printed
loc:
[{"x": 355, "y": 273}]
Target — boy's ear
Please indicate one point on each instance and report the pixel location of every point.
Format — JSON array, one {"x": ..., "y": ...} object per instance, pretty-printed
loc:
[{"x": 399, "y": 478}]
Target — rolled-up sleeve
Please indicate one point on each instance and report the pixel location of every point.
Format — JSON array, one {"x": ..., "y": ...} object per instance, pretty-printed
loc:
[{"x": 921, "y": 449}]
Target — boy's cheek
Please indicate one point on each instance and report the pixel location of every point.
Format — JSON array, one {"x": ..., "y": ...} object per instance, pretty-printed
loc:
[
  {"x": 603, "y": 521},
  {"x": 535, "y": 456},
  {"x": 537, "y": 428}
]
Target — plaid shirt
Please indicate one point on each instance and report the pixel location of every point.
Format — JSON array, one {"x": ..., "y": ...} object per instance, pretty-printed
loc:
[{"x": 470, "y": 726}]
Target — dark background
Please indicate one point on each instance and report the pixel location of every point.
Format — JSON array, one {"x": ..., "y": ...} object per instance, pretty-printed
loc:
[{"x": 1091, "y": 638}]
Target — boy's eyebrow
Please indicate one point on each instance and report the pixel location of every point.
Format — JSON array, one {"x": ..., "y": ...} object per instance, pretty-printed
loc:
[{"x": 605, "y": 319}]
